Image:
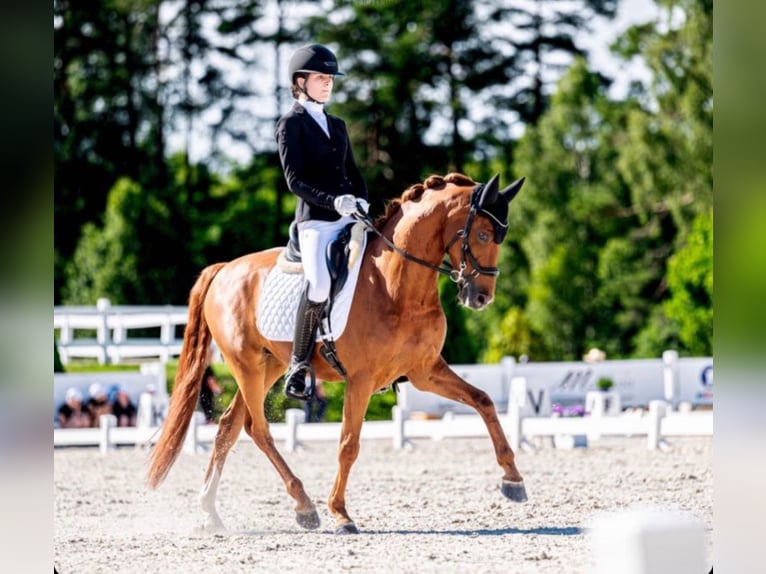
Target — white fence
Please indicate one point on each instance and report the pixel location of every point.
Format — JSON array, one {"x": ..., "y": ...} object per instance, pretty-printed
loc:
[
  {"x": 637, "y": 381},
  {"x": 103, "y": 332},
  {"x": 524, "y": 393},
  {"x": 527, "y": 419},
  {"x": 657, "y": 425}
]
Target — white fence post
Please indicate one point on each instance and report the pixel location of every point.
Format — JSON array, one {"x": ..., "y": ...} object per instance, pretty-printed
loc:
[
  {"x": 102, "y": 332},
  {"x": 517, "y": 396},
  {"x": 293, "y": 418},
  {"x": 595, "y": 406},
  {"x": 508, "y": 363},
  {"x": 657, "y": 411},
  {"x": 397, "y": 420},
  {"x": 106, "y": 424},
  {"x": 145, "y": 414},
  {"x": 514, "y": 425},
  {"x": 112, "y": 325},
  {"x": 671, "y": 378},
  {"x": 191, "y": 441}
]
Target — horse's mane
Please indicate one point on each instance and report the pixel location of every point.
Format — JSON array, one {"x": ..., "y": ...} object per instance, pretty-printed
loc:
[{"x": 415, "y": 191}]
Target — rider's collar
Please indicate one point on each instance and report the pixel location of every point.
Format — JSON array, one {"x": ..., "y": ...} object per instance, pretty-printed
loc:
[{"x": 312, "y": 106}]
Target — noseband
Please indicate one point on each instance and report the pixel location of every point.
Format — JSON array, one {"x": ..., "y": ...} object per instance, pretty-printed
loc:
[{"x": 458, "y": 275}]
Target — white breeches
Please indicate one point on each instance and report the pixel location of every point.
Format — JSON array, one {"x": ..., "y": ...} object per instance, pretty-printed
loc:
[{"x": 313, "y": 237}]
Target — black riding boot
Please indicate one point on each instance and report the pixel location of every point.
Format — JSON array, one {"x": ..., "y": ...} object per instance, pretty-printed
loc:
[{"x": 306, "y": 322}]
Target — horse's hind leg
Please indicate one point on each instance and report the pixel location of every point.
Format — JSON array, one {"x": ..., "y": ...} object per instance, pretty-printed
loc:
[
  {"x": 262, "y": 376},
  {"x": 229, "y": 427}
]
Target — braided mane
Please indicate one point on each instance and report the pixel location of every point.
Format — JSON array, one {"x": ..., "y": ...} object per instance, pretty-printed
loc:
[{"x": 414, "y": 192}]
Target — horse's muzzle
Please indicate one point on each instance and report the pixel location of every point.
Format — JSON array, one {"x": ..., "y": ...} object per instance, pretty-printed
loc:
[{"x": 473, "y": 298}]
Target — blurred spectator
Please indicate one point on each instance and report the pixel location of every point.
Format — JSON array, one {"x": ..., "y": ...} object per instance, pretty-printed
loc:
[
  {"x": 595, "y": 355},
  {"x": 123, "y": 408},
  {"x": 72, "y": 414},
  {"x": 209, "y": 389},
  {"x": 316, "y": 406},
  {"x": 98, "y": 404}
]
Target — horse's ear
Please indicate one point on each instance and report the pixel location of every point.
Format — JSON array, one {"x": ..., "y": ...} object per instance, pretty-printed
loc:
[
  {"x": 489, "y": 193},
  {"x": 510, "y": 192}
]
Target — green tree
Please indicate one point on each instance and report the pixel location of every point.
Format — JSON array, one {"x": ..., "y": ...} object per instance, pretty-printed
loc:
[
  {"x": 666, "y": 154},
  {"x": 104, "y": 263},
  {"x": 460, "y": 345},
  {"x": 542, "y": 37},
  {"x": 614, "y": 189},
  {"x": 440, "y": 82},
  {"x": 107, "y": 117},
  {"x": 690, "y": 281},
  {"x": 125, "y": 74},
  {"x": 513, "y": 337},
  {"x": 199, "y": 219},
  {"x": 566, "y": 211}
]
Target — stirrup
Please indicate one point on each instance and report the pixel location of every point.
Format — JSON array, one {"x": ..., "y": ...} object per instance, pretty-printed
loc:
[{"x": 307, "y": 392}]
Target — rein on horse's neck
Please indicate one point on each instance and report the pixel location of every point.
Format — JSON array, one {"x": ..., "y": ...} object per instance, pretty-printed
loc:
[{"x": 405, "y": 254}]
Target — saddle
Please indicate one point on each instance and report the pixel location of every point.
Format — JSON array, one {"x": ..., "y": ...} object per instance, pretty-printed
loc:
[{"x": 339, "y": 256}]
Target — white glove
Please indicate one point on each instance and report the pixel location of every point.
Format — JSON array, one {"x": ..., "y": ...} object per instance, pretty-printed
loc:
[
  {"x": 363, "y": 204},
  {"x": 345, "y": 204}
]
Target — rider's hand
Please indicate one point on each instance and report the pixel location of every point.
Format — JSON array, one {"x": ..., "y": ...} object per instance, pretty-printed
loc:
[
  {"x": 345, "y": 204},
  {"x": 363, "y": 204}
]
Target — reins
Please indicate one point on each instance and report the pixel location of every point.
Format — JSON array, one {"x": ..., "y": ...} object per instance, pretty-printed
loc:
[{"x": 455, "y": 275}]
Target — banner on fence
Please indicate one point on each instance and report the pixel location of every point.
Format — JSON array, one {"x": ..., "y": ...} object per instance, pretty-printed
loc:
[{"x": 637, "y": 381}]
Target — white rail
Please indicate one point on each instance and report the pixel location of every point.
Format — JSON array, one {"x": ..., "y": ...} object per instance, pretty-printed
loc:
[
  {"x": 657, "y": 426},
  {"x": 111, "y": 325}
]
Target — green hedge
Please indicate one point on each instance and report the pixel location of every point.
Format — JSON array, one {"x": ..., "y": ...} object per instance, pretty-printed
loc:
[{"x": 276, "y": 404}]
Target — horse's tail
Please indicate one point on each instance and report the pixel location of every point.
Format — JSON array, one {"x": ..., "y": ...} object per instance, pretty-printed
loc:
[{"x": 191, "y": 367}]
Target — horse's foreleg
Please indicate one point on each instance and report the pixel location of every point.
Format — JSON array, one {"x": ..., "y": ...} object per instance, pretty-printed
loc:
[
  {"x": 229, "y": 426},
  {"x": 354, "y": 406},
  {"x": 443, "y": 381}
]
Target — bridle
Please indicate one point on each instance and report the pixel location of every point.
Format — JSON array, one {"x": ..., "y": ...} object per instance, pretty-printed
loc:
[{"x": 458, "y": 275}]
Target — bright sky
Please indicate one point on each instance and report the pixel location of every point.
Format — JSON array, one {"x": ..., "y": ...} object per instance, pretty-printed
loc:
[
  {"x": 630, "y": 12},
  {"x": 596, "y": 42}
]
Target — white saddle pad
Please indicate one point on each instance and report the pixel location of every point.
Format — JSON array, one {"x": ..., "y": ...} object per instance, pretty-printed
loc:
[{"x": 278, "y": 304}]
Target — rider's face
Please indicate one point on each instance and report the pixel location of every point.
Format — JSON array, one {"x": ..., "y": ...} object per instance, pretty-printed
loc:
[{"x": 318, "y": 86}]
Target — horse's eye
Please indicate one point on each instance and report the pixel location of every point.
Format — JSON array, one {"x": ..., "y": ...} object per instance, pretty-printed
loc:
[{"x": 483, "y": 236}]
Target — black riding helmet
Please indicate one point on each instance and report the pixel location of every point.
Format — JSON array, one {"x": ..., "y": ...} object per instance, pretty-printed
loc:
[{"x": 314, "y": 58}]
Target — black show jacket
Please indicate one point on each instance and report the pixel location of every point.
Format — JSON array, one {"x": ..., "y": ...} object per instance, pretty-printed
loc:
[{"x": 317, "y": 168}]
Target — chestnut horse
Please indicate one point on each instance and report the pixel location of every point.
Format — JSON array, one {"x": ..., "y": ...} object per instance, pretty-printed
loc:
[{"x": 396, "y": 327}]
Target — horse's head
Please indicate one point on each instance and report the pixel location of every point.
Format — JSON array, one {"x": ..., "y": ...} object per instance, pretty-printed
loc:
[{"x": 475, "y": 233}]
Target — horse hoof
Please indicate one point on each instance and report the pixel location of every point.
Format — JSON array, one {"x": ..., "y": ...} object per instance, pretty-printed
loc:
[
  {"x": 514, "y": 490},
  {"x": 348, "y": 528},
  {"x": 307, "y": 520}
]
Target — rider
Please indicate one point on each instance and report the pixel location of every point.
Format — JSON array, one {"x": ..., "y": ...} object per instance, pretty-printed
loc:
[{"x": 320, "y": 169}]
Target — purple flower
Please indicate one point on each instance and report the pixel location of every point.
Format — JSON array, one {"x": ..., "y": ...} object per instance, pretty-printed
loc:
[{"x": 569, "y": 410}]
